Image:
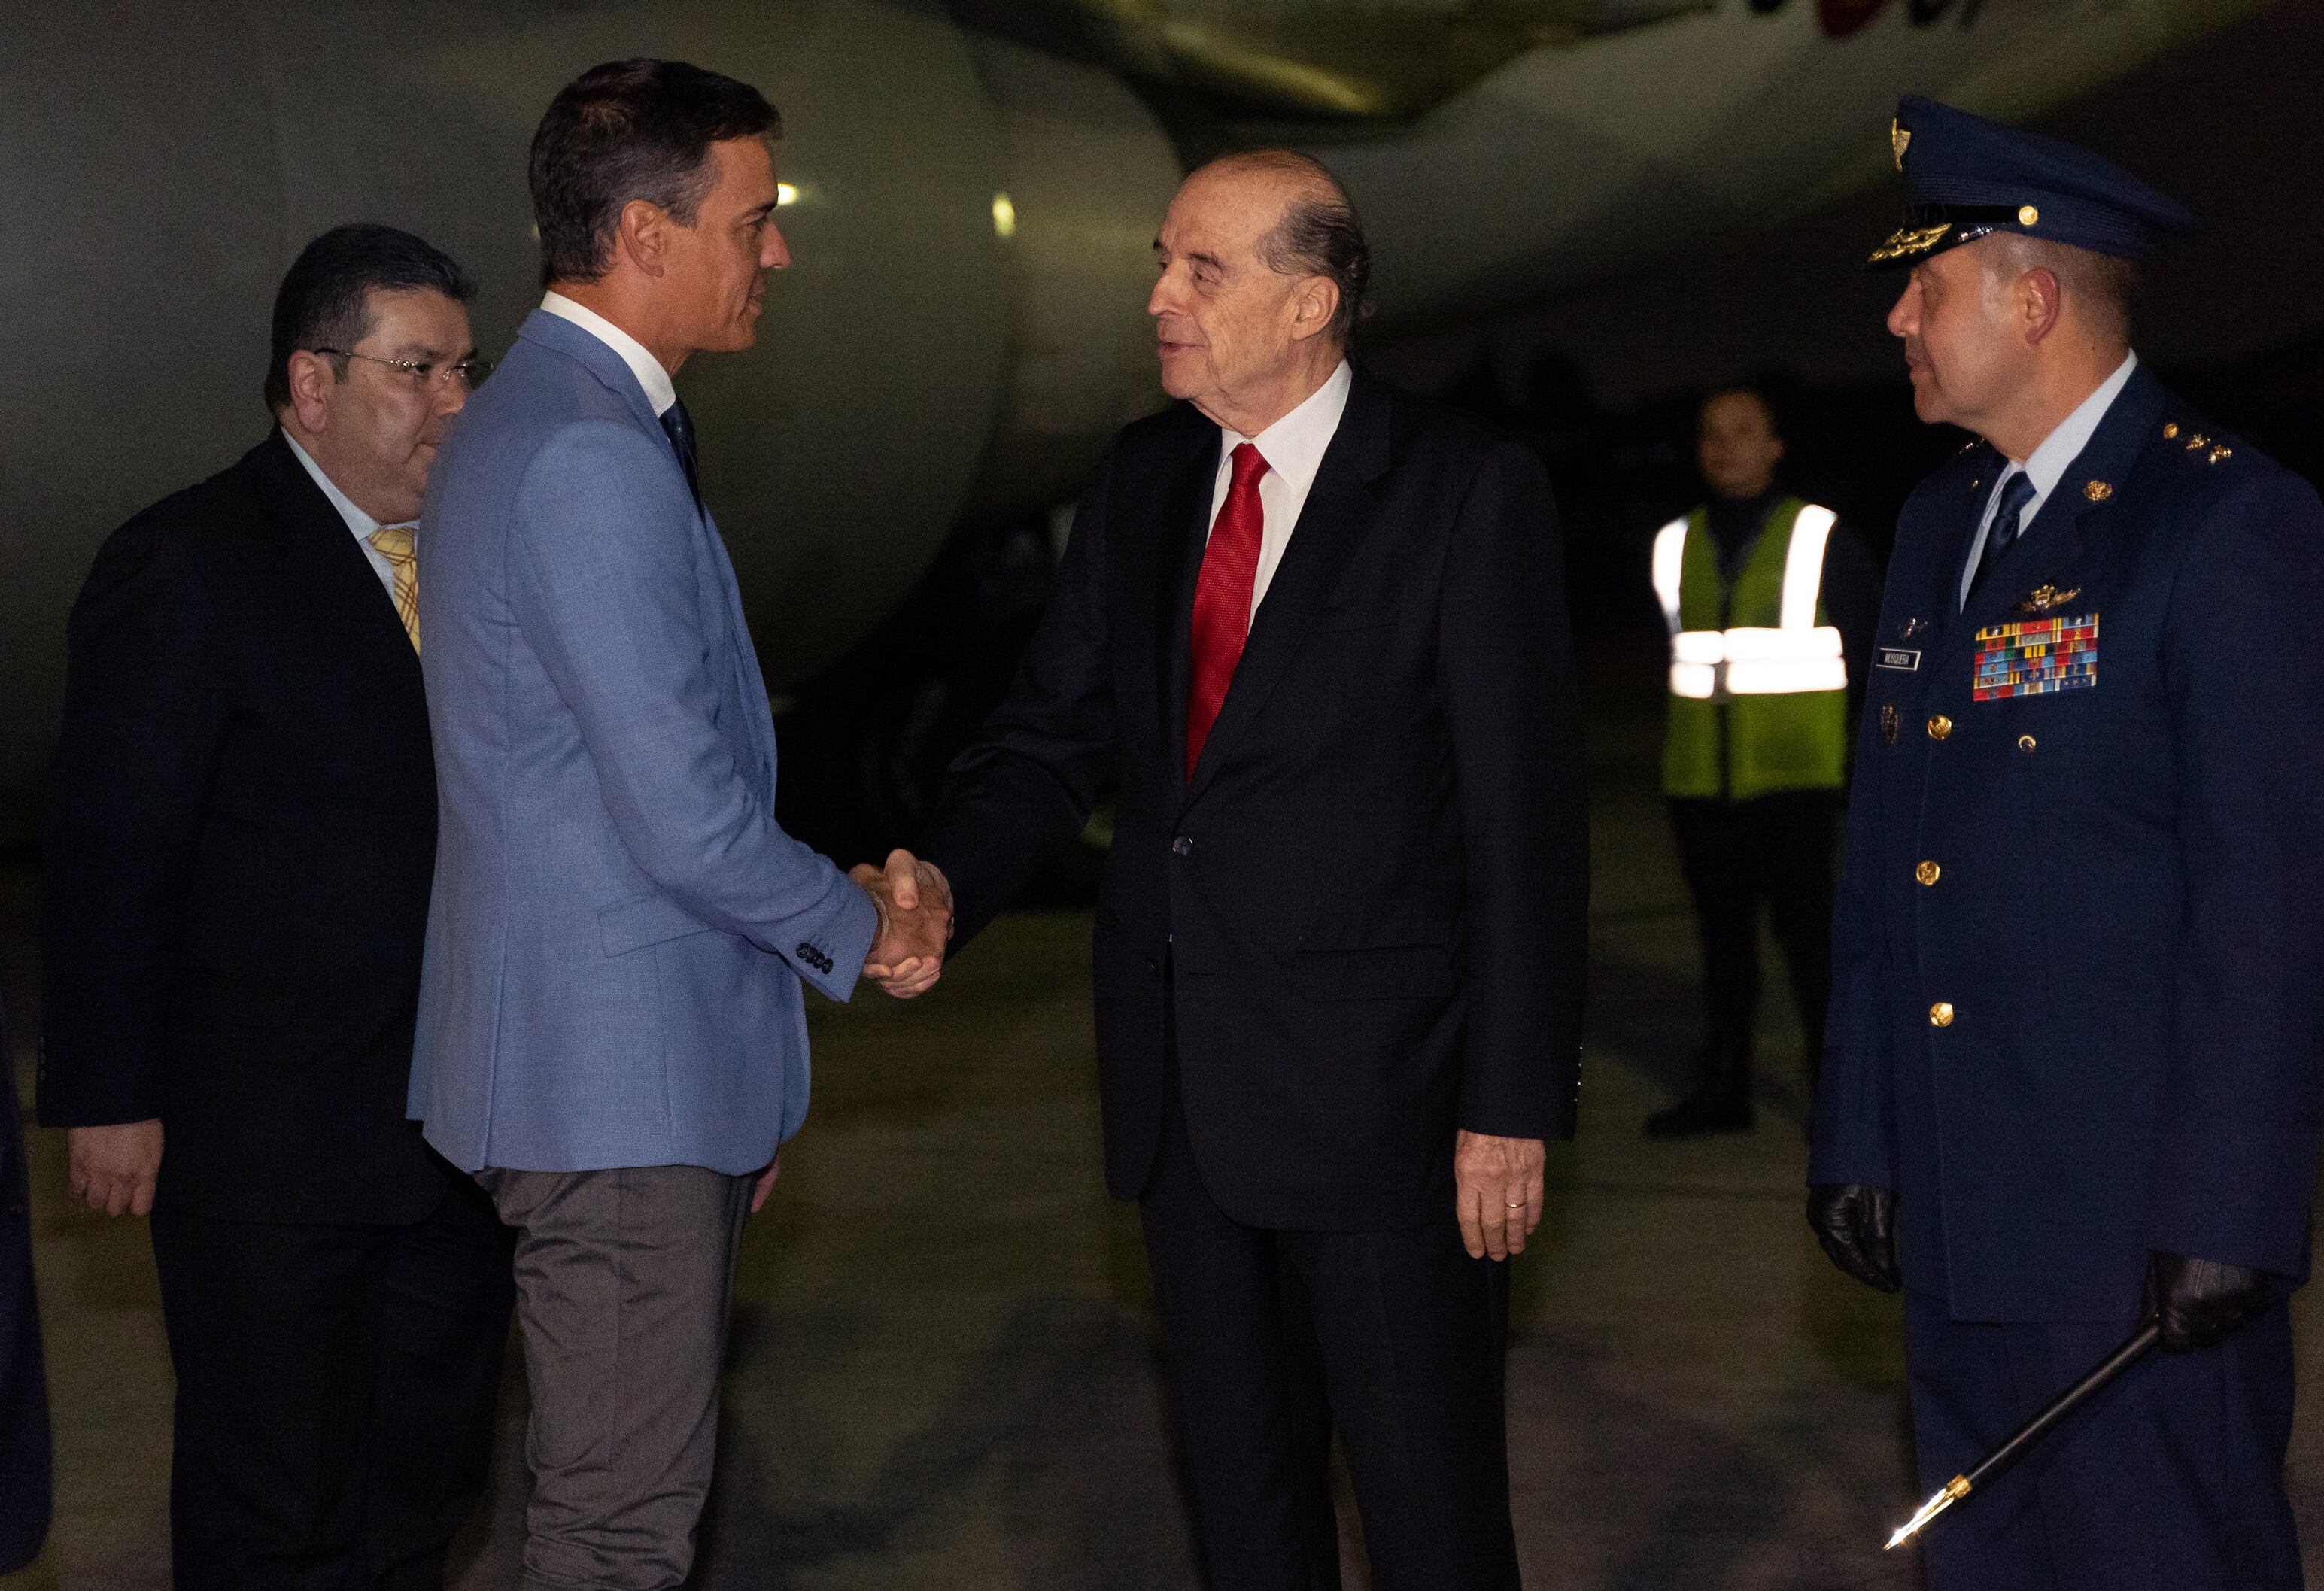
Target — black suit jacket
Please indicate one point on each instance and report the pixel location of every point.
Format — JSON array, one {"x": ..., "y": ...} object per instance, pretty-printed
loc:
[
  {"x": 1361, "y": 923},
  {"x": 241, "y": 826},
  {"x": 25, "y": 1462}
]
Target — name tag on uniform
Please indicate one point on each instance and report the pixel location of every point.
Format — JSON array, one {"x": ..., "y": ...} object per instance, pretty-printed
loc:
[
  {"x": 1898, "y": 658},
  {"x": 2035, "y": 657}
]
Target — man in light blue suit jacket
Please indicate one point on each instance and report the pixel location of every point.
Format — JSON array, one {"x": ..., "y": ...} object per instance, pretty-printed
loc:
[
  {"x": 619, "y": 931},
  {"x": 612, "y": 1026}
]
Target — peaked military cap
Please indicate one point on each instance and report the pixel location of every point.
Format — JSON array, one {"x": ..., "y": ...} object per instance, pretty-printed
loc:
[{"x": 1965, "y": 177}]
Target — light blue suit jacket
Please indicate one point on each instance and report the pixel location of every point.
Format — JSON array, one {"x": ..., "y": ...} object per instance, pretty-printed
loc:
[{"x": 619, "y": 928}]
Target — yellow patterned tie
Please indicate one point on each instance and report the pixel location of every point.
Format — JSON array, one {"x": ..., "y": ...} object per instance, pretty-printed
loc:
[{"x": 393, "y": 543}]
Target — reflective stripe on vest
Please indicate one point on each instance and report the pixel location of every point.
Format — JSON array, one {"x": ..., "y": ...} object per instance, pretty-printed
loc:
[
  {"x": 1760, "y": 705},
  {"x": 1747, "y": 660}
]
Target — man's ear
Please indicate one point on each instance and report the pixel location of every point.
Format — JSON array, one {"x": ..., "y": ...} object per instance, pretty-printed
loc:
[
  {"x": 2040, "y": 303},
  {"x": 311, "y": 377},
  {"x": 642, "y": 234},
  {"x": 1313, "y": 302}
]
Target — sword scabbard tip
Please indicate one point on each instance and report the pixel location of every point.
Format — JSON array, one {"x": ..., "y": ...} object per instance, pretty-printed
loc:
[{"x": 1954, "y": 1492}]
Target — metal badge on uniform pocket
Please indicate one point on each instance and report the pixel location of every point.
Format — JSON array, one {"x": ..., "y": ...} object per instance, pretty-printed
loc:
[
  {"x": 1890, "y": 721},
  {"x": 2035, "y": 657}
]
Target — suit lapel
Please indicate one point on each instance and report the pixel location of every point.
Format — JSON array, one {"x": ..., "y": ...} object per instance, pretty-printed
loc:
[
  {"x": 1331, "y": 524},
  {"x": 758, "y": 707},
  {"x": 2050, "y": 544},
  {"x": 337, "y": 582},
  {"x": 333, "y": 569},
  {"x": 2075, "y": 508},
  {"x": 1964, "y": 519},
  {"x": 1185, "y": 523},
  {"x": 554, "y": 331}
]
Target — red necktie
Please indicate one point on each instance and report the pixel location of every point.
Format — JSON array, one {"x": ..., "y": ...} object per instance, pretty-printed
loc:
[{"x": 1222, "y": 600}]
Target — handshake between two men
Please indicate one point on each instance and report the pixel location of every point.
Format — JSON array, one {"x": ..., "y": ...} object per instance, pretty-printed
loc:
[{"x": 915, "y": 906}]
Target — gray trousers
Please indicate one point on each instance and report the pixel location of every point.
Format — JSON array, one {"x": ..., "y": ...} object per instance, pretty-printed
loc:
[{"x": 623, "y": 1279}]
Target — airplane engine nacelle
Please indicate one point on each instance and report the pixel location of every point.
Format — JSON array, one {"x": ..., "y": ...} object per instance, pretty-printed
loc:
[{"x": 960, "y": 333}]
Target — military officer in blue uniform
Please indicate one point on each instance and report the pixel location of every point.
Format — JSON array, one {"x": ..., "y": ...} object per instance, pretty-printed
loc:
[{"x": 2074, "y": 1068}]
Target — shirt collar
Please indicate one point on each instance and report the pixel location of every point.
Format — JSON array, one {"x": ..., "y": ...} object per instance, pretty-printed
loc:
[
  {"x": 1293, "y": 446},
  {"x": 2062, "y": 446},
  {"x": 660, "y": 391},
  {"x": 359, "y": 521}
]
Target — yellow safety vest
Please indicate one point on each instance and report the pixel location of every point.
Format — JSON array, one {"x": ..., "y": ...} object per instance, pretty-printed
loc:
[{"x": 1758, "y": 683}]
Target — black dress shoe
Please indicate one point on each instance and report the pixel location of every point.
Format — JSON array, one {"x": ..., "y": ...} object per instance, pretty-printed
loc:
[{"x": 1714, "y": 1108}]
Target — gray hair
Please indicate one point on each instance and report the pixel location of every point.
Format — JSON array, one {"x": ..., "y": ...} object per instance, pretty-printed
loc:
[{"x": 1319, "y": 233}]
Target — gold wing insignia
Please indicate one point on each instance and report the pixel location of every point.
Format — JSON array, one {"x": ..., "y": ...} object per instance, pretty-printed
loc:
[{"x": 2046, "y": 597}]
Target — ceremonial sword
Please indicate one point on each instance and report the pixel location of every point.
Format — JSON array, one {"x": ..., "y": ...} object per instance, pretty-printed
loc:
[{"x": 2032, "y": 1432}]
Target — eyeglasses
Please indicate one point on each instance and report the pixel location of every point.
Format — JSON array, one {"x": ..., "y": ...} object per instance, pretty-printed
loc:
[{"x": 426, "y": 372}]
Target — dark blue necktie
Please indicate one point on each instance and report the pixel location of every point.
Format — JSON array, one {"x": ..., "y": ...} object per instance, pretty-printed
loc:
[
  {"x": 2015, "y": 496},
  {"x": 678, "y": 426}
]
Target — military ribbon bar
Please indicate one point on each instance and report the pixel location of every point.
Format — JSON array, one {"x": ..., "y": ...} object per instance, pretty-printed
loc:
[{"x": 2035, "y": 657}]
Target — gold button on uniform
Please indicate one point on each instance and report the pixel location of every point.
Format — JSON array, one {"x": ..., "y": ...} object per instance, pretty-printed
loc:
[
  {"x": 1940, "y": 727},
  {"x": 2026, "y": 742},
  {"x": 1940, "y": 1014},
  {"x": 1927, "y": 872}
]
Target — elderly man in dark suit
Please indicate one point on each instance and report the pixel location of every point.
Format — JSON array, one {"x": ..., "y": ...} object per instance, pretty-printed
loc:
[
  {"x": 2072, "y": 1065},
  {"x": 1314, "y": 632},
  {"x": 239, "y": 857}
]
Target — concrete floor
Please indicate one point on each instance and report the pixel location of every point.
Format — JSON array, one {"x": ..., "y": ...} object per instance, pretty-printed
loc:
[{"x": 944, "y": 1370}]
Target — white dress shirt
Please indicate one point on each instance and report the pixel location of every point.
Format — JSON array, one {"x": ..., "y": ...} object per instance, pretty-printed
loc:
[
  {"x": 359, "y": 521},
  {"x": 660, "y": 391},
  {"x": 1293, "y": 448},
  {"x": 2048, "y": 466}
]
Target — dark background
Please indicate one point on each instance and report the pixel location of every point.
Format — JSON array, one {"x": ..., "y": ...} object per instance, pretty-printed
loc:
[{"x": 1604, "y": 384}]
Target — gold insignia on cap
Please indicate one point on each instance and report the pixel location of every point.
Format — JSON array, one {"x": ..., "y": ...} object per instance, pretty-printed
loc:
[
  {"x": 2098, "y": 490},
  {"x": 2199, "y": 442},
  {"x": 1909, "y": 240},
  {"x": 1900, "y": 138},
  {"x": 2221, "y": 452},
  {"x": 2170, "y": 430},
  {"x": 2027, "y": 216}
]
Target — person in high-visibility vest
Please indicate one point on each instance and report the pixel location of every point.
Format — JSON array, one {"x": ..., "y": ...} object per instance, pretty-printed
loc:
[{"x": 1771, "y": 604}]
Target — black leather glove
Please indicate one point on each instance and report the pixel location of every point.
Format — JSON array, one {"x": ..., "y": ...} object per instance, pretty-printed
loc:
[
  {"x": 2197, "y": 1301},
  {"x": 1857, "y": 1226}
]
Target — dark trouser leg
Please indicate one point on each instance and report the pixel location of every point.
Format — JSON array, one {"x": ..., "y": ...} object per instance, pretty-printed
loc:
[
  {"x": 445, "y": 1290},
  {"x": 623, "y": 1280},
  {"x": 24, "y": 1457},
  {"x": 1249, "y": 1384},
  {"x": 1721, "y": 875},
  {"x": 273, "y": 1330},
  {"x": 2170, "y": 1480},
  {"x": 1794, "y": 851},
  {"x": 1413, "y": 1333}
]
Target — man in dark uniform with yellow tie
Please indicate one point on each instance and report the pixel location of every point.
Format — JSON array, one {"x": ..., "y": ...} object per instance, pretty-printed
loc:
[{"x": 2072, "y": 1077}]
